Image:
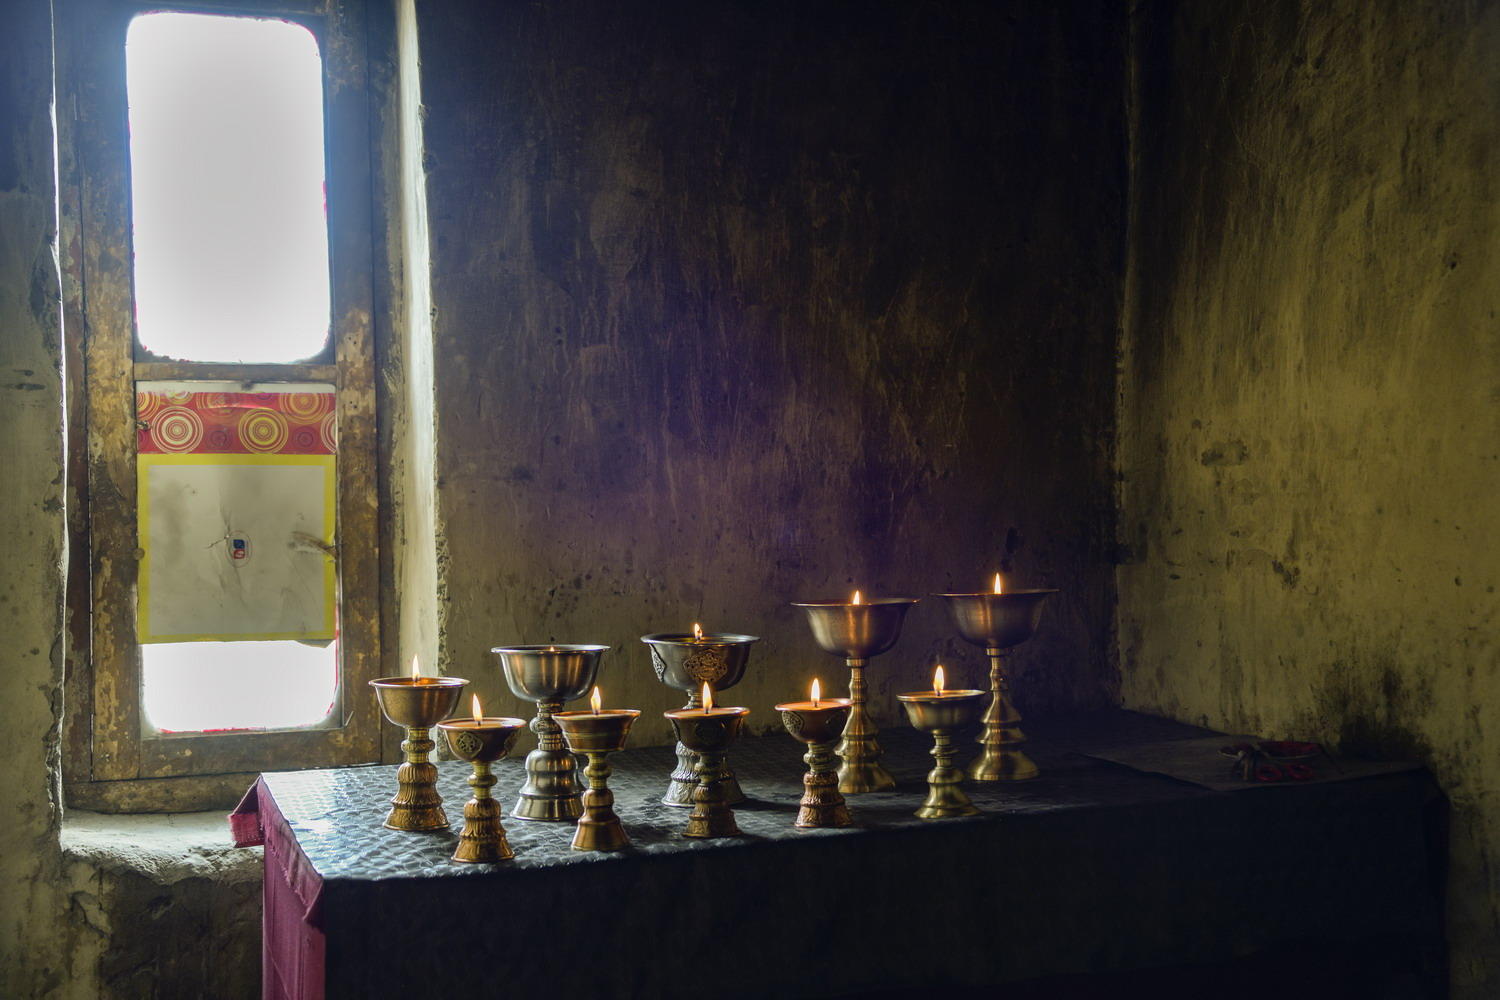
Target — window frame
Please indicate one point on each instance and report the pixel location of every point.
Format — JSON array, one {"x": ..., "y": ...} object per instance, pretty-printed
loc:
[{"x": 108, "y": 755}]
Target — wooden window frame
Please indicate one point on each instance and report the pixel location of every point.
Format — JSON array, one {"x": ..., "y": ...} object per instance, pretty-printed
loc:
[{"x": 110, "y": 760}]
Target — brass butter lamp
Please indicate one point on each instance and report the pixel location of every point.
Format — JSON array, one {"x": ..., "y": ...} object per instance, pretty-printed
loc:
[
  {"x": 708, "y": 732},
  {"x": 417, "y": 703},
  {"x": 550, "y": 676},
  {"x": 686, "y": 662},
  {"x": 598, "y": 733},
  {"x": 818, "y": 723},
  {"x": 858, "y": 629},
  {"x": 999, "y": 620},
  {"x": 941, "y": 712},
  {"x": 481, "y": 741}
]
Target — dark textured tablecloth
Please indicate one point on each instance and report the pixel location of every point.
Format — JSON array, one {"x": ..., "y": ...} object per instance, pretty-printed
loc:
[{"x": 1093, "y": 867}]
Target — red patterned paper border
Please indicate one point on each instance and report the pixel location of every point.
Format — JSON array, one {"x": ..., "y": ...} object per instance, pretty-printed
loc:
[{"x": 236, "y": 423}]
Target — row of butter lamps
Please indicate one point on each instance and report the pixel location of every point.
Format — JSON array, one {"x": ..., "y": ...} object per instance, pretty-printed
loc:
[{"x": 700, "y": 663}]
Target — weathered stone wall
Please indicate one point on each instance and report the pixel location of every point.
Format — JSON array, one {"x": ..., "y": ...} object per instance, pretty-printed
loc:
[
  {"x": 33, "y": 954},
  {"x": 159, "y": 906},
  {"x": 1310, "y": 446},
  {"x": 739, "y": 304}
]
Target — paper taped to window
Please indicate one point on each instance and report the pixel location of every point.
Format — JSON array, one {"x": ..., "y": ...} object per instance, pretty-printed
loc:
[{"x": 236, "y": 514}]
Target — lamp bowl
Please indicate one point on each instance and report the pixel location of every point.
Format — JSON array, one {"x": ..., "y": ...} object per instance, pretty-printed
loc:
[
  {"x": 707, "y": 734},
  {"x": 686, "y": 664},
  {"x": 997, "y": 621},
  {"x": 823, "y": 724},
  {"x": 421, "y": 702},
  {"x": 929, "y": 711},
  {"x": 550, "y": 673},
  {"x": 857, "y": 631},
  {"x": 604, "y": 732},
  {"x": 488, "y": 744}
]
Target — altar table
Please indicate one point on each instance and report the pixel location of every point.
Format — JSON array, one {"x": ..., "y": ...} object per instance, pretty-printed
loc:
[{"x": 1092, "y": 868}]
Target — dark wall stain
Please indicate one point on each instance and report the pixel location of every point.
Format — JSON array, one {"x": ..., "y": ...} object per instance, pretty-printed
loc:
[{"x": 771, "y": 301}]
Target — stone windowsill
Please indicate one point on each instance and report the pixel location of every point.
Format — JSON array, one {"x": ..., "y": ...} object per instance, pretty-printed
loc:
[{"x": 164, "y": 848}]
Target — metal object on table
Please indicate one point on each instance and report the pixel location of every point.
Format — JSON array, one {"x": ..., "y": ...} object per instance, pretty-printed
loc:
[
  {"x": 481, "y": 742},
  {"x": 598, "y": 734},
  {"x": 858, "y": 630},
  {"x": 708, "y": 733},
  {"x": 940, "y": 713},
  {"x": 686, "y": 661},
  {"x": 818, "y": 724},
  {"x": 999, "y": 621},
  {"x": 417, "y": 704},
  {"x": 550, "y": 676}
]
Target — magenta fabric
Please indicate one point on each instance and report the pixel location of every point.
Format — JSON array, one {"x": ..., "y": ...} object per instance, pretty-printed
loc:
[{"x": 293, "y": 946}]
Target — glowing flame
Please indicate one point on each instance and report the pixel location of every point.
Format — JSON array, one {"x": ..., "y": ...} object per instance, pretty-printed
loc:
[
  {"x": 998, "y": 589},
  {"x": 416, "y": 669},
  {"x": 708, "y": 699},
  {"x": 697, "y": 632},
  {"x": 596, "y": 701},
  {"x": 937, "y": 679},
  {"x": 551, "y": 649},
  {"x": 858, "y": 599},
  {"x": 817, "y": 692},
  {"x": 478, "y": 712}
]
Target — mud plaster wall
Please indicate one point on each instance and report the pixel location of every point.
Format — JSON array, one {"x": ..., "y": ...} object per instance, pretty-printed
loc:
[
  {"x": 743, "y": 303},
  {"x": 405, "y": 348},
  {"x": 32, "y": 951},
  {"x": 1309, "y": 447}
]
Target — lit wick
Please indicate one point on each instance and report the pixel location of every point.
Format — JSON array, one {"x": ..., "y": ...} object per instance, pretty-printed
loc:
[
  {"x": 857, "y": 598},
  {"x": 697, "y": 632},
  {"x": 816, "y": 692},
  {"x": 416, "y": 671},
  {"x": 478, "y": 713},
  {"x": 997, "y": 584},
  {"x": 551, "y": 649},
  {"x": 595, "y": 700},
  {"x": 937, "y": 680},
  {"x": 708, "y": 699}
]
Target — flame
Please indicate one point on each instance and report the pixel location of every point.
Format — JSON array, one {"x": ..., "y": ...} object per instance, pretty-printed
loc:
[
  {"x": 697, "y": 632},
  {"x": 708, "y": 699},
  {"x": 937, "y": 679},
  {"x": 596, "y": 701},
  {"x": 416, "y": 669},
  {"x": 857, "y": 598},
  {"x": 998, "y": 588},
  {"x": 551, "y": 649},
  {"x": 817, "y": 692},
  {"x": 478, "y": 712}
]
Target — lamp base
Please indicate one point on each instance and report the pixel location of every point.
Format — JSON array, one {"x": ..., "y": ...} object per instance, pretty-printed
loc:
[
  {"x": 1002, "y": 764},
  {"x": 711, "y": 816},
  {"x": 821, "y": 804},
  {"x": 483, "y": 838},
  {"x": 945, "y": 796},
  {"x": 417, "y": 807},
  {"x": 550, "y": 794},
  {"x": 680, "y": 790},
  {"x": 1002, "y": 758},
  {"x": 856, "y": 777},
  {"x": 599, "y": 829}
]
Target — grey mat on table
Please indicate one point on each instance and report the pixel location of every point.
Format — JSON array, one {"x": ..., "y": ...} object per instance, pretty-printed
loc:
[
  {"x": 1052, "y": 879},
  {"x": 337, "y": 815}
]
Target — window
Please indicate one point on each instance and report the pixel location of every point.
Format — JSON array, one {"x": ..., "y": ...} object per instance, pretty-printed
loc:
[{"x": 216, "y": 203}]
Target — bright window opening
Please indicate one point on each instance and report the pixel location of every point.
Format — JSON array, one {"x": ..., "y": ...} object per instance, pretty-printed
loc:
[
  {"x": 227, "y": 188},
  {"x": 207, "y": 686}
]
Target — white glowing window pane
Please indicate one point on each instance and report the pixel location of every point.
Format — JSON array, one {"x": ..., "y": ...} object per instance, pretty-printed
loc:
[
  {"x": 227, "y": 188},
  {"x": 198, "y": 686}
]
